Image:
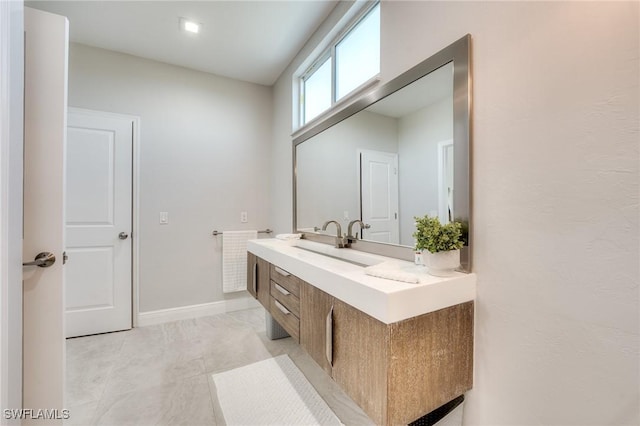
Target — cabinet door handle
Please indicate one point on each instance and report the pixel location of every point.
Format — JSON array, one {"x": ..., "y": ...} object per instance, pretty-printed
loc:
[
  {"x": 282, "y": 272},
  {"x": 282, "y": 308},
  {"x": 282, "y": 290},
  {"x": 255, "y": 279},
  {"x": 329, "y": 337}
]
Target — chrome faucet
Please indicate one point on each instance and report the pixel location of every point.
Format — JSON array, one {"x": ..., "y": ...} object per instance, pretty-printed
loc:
[
  {"x": 350, "y": 237},
  {"x": 340, "y": 241}
]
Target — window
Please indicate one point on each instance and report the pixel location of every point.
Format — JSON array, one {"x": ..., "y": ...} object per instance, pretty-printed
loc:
[
  {"x": 352, "y": 60},
  {"x": 358, "y": 54},
  {"x": 317, "y": 90}
]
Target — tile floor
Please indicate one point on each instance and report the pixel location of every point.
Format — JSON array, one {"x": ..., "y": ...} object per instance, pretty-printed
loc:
[{"x": 161, "y": 375}]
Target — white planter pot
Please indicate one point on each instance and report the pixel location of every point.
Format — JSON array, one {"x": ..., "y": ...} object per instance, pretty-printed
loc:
[{"x": 444, "y": 263}]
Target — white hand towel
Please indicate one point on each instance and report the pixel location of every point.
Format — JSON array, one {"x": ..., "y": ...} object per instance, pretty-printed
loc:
[
  {"x": 234, "y": 259},
  {"x": 391, "y": 271}
]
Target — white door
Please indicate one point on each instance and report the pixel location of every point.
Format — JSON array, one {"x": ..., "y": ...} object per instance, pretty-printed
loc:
[
  {"x": 379, "y": 195},
  {"x": 445, "y": 181},
  {"x": 98, "y": 222},
  {"x": 11, "y": 181},
  {"x": 45, "y": 113}
]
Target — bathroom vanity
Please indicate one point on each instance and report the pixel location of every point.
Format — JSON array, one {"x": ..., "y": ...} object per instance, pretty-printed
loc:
[
  {"x": 399, "y": 350},
  {"x": 398, "y": 152}
]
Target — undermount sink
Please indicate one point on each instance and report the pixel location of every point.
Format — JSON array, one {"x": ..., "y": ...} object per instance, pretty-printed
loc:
[
  {"x": 354, "y": 257},
  {"x": 353, "y": 262}
]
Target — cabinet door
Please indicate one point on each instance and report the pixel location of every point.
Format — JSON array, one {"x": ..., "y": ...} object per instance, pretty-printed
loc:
[
  {"x": 263, "y": 285},
  {"x": 252, "y": 277},
  {"x": 360, "y": 346},
  {"x": 258, "y": 279},
  {"x": 315, "y": 310}
]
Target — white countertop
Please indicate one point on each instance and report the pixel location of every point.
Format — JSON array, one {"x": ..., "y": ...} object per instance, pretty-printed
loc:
[{"x": 386, "y": 300}]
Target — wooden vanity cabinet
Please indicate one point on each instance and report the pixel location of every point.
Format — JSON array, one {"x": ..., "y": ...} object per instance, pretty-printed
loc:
[
  {"x": 360, "y": 359},
  {"x": 426, "y": 362},
  {"x": 315, "y": 311},
  {"x": 284, "y": 300},
  {"x": 395, "y": 372},
  {"x": 258, "y": 278}
]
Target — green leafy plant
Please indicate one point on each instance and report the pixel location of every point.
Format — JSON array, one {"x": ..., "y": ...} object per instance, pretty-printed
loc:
[{"x": 433, "y": 236}]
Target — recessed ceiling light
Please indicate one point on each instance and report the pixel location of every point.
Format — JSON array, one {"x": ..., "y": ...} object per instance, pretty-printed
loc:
[{"x": 189, "y": 26}]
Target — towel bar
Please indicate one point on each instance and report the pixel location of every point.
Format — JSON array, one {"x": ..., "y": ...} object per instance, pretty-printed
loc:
[{"x": 266, "y": 231}]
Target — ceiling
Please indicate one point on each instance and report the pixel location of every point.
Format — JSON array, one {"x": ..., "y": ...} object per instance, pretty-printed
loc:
[{"x": 246, "y": 40}]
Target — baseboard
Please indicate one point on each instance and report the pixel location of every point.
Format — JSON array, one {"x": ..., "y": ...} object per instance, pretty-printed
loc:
[{"x": 195, "y": 311}]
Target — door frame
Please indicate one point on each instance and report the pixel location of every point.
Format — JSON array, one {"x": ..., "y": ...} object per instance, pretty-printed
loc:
[{"x": 135, "y": 198}]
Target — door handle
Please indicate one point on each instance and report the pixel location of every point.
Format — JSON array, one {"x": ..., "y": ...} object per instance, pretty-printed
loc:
[
  {"x": 328, "y": 348},
  {"x": 123, "y": 235},
  {"x": 282, "y": 308},
  {"x": 43, "y": 260},
  {"x": 255, "y": 279},
  {"x": 282, "y": 290},
  {"x": 282, "y": 272}
]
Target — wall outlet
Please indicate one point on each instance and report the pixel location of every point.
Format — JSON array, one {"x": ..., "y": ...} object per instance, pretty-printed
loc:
[
  {"x": 164, "y": 218},
  {"x": 243, "y": 217},
  {"x": 346, "y": 215}
]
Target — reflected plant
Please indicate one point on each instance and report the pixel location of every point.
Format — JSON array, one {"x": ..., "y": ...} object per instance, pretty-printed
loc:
[{"x": 435, "y": 237}]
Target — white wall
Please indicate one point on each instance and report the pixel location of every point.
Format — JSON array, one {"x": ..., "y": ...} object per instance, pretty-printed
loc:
[
  {"x": 418, "y": 138},
  {"x": 204, "y": 158},
  {"x": 555, "y": 198}
]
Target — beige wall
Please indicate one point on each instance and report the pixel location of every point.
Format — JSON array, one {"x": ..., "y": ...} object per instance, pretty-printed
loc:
[
  {"x": 555, "y": 198},
  {"x": 204, "y": 158}
]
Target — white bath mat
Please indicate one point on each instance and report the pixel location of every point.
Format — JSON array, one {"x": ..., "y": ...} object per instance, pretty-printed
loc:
[{"x": 270, "y": 392}]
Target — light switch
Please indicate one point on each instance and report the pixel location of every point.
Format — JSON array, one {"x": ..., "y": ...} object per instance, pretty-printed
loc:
[
  {"x": 243, "y": 217},
  {"x": 164, "y": 218}
]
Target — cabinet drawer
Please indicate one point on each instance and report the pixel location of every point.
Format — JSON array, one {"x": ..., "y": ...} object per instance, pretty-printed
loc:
[
  {"x": 286, "y": 319},
  {"x": 286, "y": 280},
  {"x": 284, "y": 296}
]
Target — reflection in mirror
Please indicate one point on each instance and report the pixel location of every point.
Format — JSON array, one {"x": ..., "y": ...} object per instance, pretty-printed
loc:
[
  {"x": 384, "y": 165},
  {"x": 398, "y": 152}
]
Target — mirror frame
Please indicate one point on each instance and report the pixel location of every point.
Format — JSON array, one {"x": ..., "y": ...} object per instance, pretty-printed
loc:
[{"x": 459, "y": 53}]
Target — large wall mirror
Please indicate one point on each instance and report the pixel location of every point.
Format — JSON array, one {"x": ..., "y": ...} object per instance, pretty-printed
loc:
[{"x": 400, "y": 151}]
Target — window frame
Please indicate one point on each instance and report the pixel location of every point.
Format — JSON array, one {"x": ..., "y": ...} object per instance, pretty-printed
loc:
[{"x": 330, "y": 53}]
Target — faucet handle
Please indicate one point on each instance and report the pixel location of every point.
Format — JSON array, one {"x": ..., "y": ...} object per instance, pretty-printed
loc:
[{"x": 363, "y": 225}]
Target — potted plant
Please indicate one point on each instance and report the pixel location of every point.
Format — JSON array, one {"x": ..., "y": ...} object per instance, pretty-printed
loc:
[{"x": 442, "y": 242}]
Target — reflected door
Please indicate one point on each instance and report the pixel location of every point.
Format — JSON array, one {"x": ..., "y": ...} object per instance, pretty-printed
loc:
[
  {"x": 98, "y": 222},
  {"x": 445, "y": 181},
  {"x": 379, "y": 195}
]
